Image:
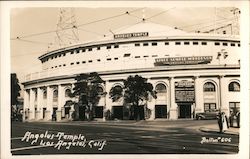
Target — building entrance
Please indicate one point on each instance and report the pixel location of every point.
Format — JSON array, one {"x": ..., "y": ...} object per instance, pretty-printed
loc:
[
  {"x": 184, "y": 110},
  {"x": 118, "y": 112},
  {"x": 81, "y": 112}
]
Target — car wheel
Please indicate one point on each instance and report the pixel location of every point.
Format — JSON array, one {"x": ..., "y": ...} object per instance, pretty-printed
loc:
[{"x": 199, "y": 118}]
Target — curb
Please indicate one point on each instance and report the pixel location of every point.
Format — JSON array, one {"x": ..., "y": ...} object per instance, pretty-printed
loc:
[{"x": 208, "y": 130}]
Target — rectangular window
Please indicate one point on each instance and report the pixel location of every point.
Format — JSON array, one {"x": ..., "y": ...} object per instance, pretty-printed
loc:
[
  {"x": 60, "y": 55},
  {"x": 116, "y": 46},
  {"x": 177, "y": 43},
  {"x": 77, "y": 51},
  {"x": 209, "y": 107},
  {"x": 137, "y": 44},
  {"x": 234, "y": 106},
  {"x": 239, "y": 44},
  {"x": 90, "y": 49},
  {"x": 90, "y": 61},
  {"x": 72, "y": 52},
  {"x": 83, "y": 61},
  {"x": 55, "y": 66},
  {"x": 108, "y": 59},
  {"x": 154, "y": 44},
  {"x": 203, "y": 43},
  {"x": 72, "y": 63},
  {"x": 77, "y": 63},
  {"x": 232, "y": 44},
  {"x": 126, "y": 55},
  {"x": 145, "y": 44},
  {"x": 166, "y": 43},
  {"x": 98, "y": 48},
  {"x": 83, "y": 50},
  {"x": 52, "y": 57},
  {"x": 195, "y": 43},
  {"x": 64, "y": 64},
  {"x": 98, "y": 60},
  {"x": 154, "y": 55},
  {"x": 224, "y": 44},
  {"x": 109, "y": 47},
  {"x": 137, "y": 56},
  {"x": 52, "y": 67},
  {"x": 186, "y": 43},
  {"x": 64, "y": 54},
  {"x": 60, "y": 65},
  {"x": 145, "y": 56},
  {"x": 217, "y": 43},
  {"x": 116, "y": 58}
]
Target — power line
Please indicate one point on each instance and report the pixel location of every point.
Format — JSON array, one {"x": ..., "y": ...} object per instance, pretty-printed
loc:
[{"x": 96, "y": 21}]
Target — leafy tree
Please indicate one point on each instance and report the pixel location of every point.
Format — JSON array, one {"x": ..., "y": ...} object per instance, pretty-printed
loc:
[
  {"x": 135, "y": 89},
  {"x": 15, "y": 93},
  {"x": 86, "y": 89}
]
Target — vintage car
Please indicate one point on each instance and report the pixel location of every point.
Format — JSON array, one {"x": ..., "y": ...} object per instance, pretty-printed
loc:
[{"x": 207, "y": 115}]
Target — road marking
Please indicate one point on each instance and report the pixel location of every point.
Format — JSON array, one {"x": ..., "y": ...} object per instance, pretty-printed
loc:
[
  {"x": 30, "y": 147},
  {"x": 16, "y": 138}
]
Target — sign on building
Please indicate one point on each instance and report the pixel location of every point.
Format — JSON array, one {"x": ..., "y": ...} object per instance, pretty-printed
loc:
[
  {"x": 192, "y": 60},
  {"x": 184, "y": 92},
  {"x": 130, "y": 35}
]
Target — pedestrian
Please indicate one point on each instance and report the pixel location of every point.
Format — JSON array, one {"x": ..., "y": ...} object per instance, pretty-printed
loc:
[
  {"x": 220, "y": 121},
  {"x": 225, "y": 124},
  {"x": 238, "y": 119},
  {"x": 231, "y": 118}
]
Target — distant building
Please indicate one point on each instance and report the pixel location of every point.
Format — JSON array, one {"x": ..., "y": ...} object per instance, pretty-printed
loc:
[{"x": 192, "y": 73}]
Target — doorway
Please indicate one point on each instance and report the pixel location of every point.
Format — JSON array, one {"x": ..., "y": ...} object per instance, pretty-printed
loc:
[
  {"x": 160, "y": 111},
  {"x": 184, "y": 110},
  {"x": 118, "y": 112},
  {"x": 81, "y": 112}
]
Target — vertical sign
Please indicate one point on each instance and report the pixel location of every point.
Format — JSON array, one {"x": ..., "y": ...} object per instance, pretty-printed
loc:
[{"x": 184, "y": 92}]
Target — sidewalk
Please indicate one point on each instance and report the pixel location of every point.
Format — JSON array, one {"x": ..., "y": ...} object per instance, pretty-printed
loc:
[{"x": 215, "y": 129}]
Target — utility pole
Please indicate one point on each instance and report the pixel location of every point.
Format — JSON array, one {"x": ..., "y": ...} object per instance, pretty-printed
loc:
[{"x": 66, "y": 32}]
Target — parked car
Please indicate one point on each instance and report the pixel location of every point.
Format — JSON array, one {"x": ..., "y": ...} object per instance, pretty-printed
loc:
[{"x": 207, "y": 115}]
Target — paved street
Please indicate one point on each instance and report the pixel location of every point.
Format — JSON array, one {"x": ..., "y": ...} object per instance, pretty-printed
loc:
[{"x": 125, "y": 137}]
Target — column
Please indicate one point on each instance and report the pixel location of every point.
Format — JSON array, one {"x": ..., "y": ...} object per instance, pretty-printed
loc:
[
  {"x": 108, "y": 102},
  {"x": 173, "y": 106},
  {"x": 49, "y": 108},
  {"x": 39, "y": 112},
  {"x": 32, "y": 105},
  {"x": 26, "y": 105},
  {"x": 61, "y": 101},
  {"x": 224, "y": 106},
  {"x": 198, "y": 95}
]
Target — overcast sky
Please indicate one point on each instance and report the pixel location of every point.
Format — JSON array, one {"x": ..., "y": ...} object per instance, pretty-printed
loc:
[{"x": 27, "y": 21}]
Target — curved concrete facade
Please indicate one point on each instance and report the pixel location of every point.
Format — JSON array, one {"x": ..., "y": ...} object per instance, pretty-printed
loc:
[{"x": 198, "y": 72}]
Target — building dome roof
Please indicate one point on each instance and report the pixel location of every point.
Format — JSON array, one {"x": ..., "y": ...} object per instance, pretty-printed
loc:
[{"x": 153, "y": 30}]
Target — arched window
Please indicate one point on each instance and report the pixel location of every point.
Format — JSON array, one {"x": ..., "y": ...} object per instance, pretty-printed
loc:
[
  {"x": 100, "y": 90},
  {"x": 55, "y": 95},
  {"x": 209, "y": 87},
  {"x": 44, "y": 94},
  {"x": 160, "y": 88},
  {"x": 234, "y": 87},
  {"x": 118, "y": 88},
  {"x": 67, "y": 92}
]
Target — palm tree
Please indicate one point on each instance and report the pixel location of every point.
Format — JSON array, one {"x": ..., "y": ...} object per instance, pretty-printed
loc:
[{"x": 135, "y": 89}]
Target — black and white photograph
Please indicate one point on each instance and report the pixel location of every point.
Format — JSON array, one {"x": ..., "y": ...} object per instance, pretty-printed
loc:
[{"x": 142, "y": 79}]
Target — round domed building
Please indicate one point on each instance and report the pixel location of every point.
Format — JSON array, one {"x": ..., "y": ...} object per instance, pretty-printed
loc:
[{"x": 191, "y": 72}]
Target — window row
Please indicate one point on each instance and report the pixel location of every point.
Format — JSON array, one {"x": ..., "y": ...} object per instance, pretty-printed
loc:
[
  {"x": 99, "y": 60},
  {"x": 232, "y": 87},
  {"x": 144, "y": 44}
]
